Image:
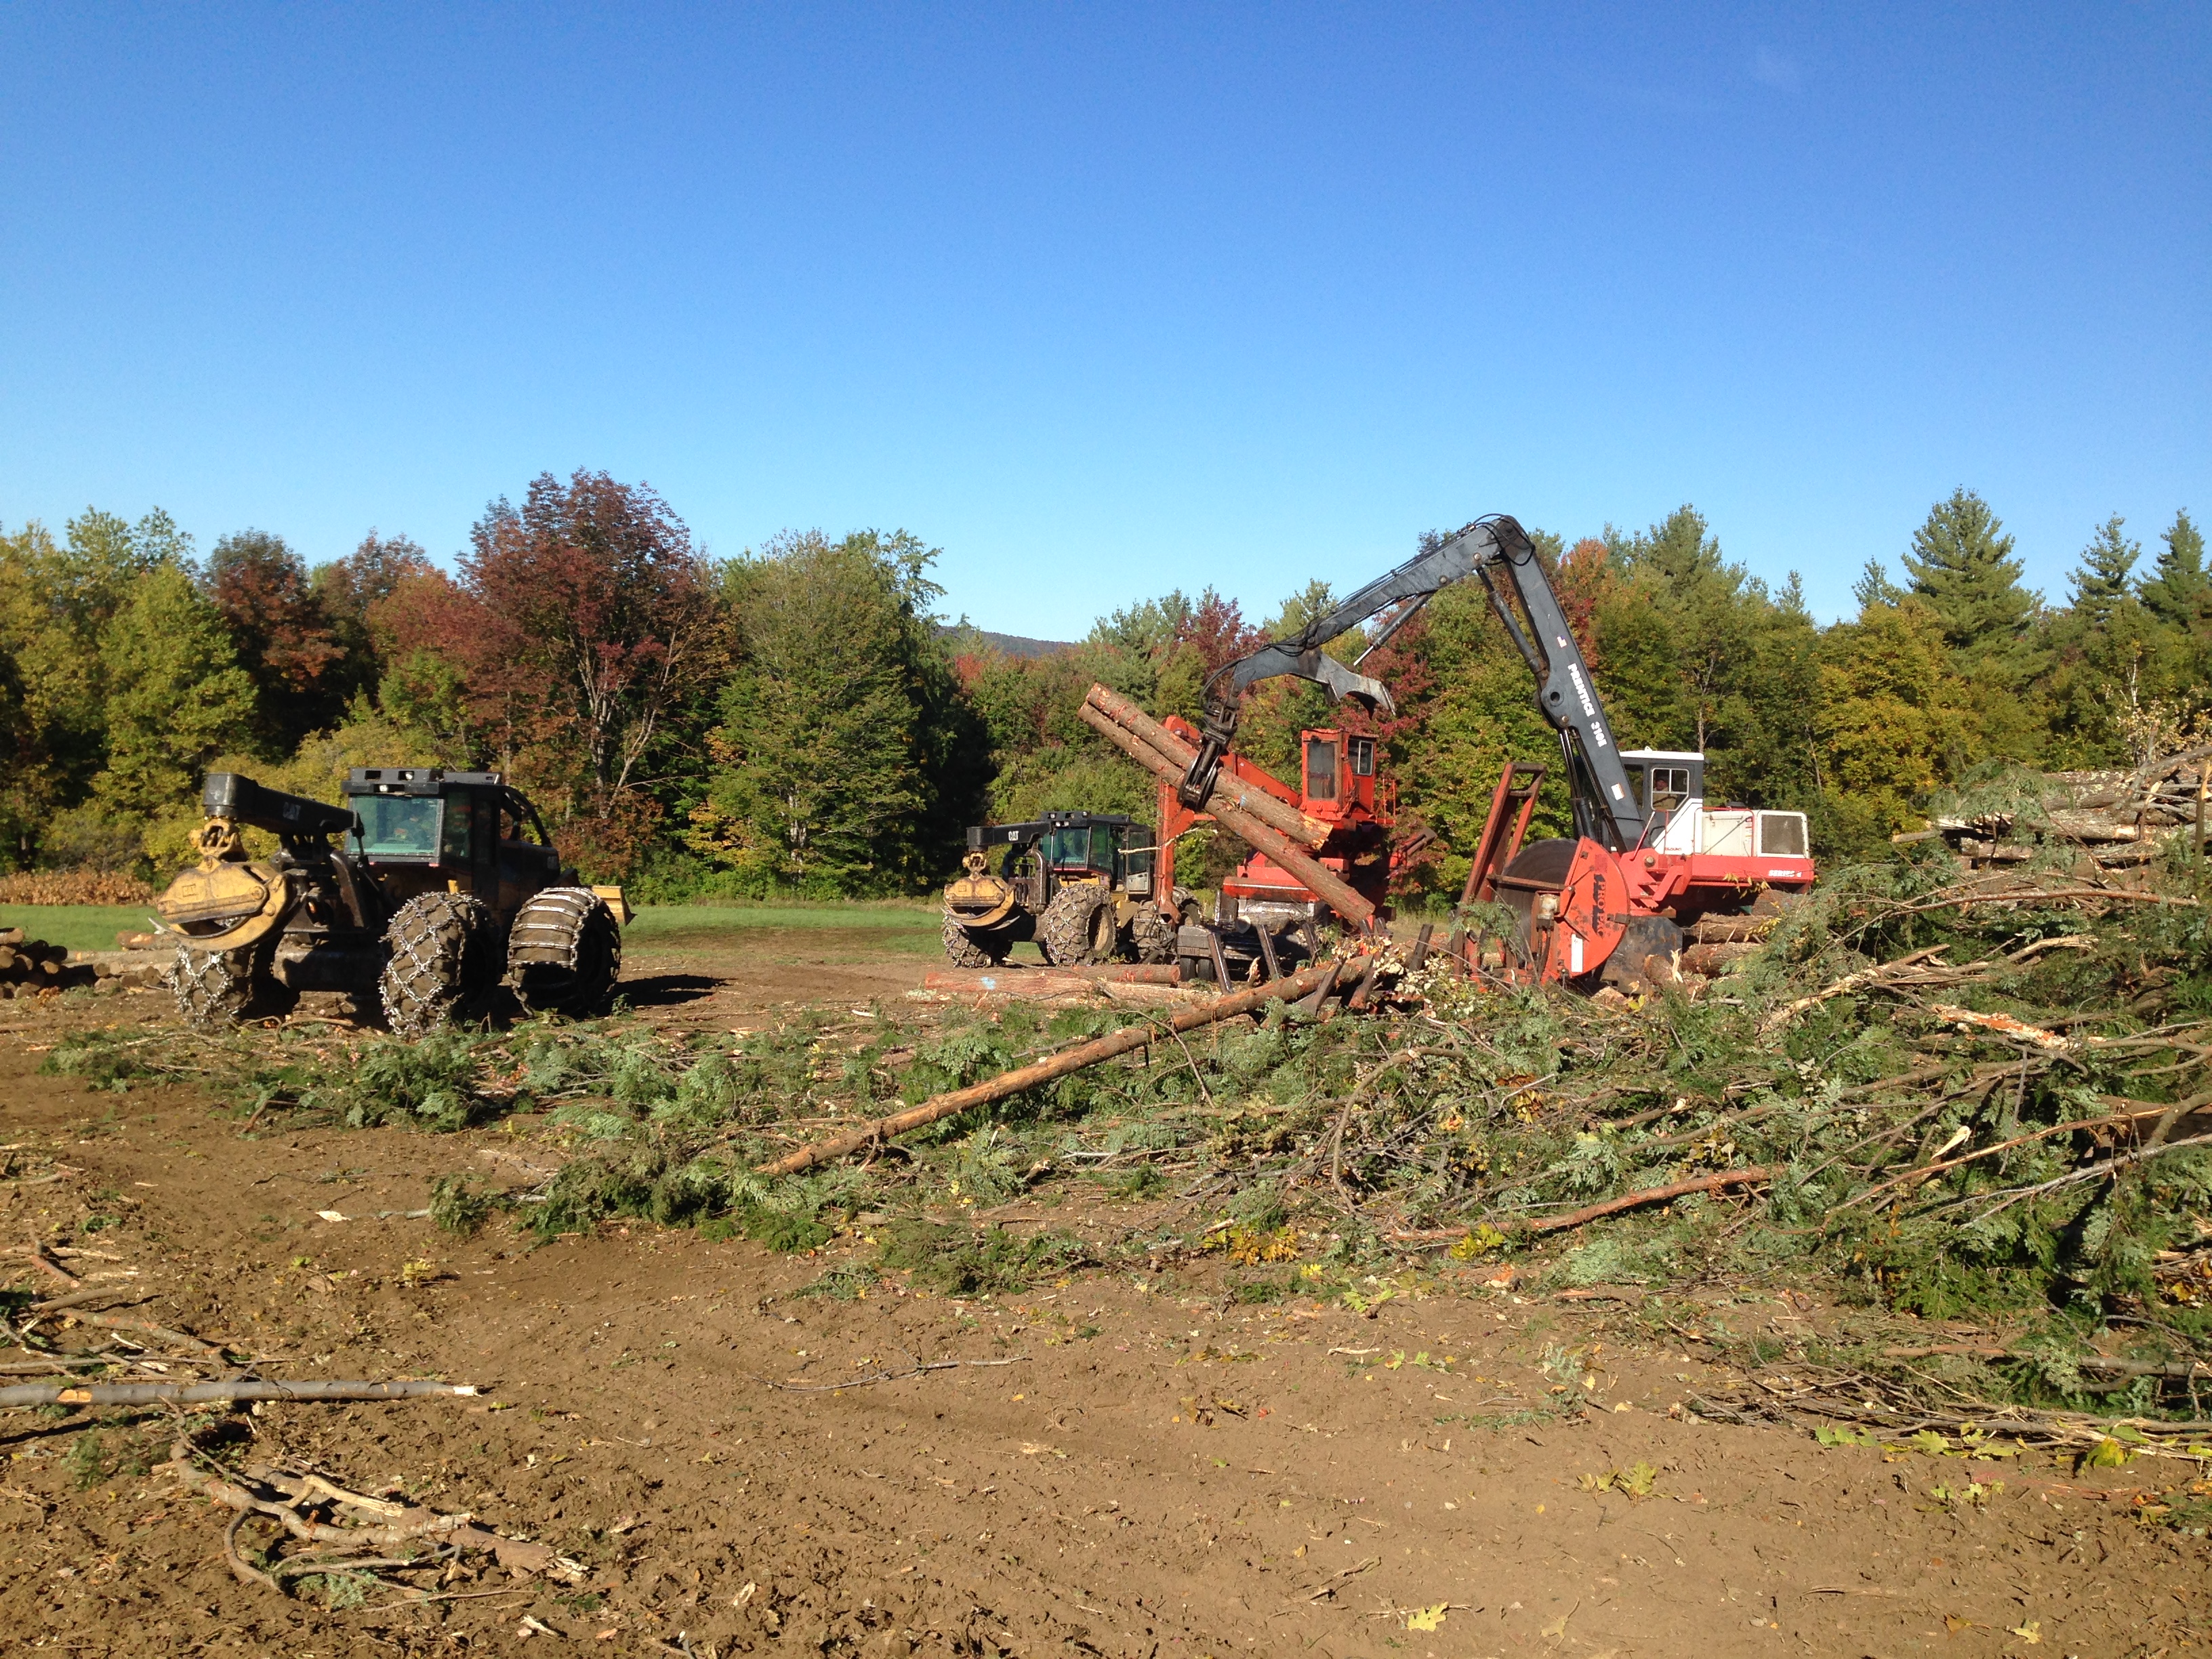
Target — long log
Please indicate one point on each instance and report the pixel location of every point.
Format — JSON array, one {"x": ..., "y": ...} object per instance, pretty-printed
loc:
[
  {"x": 1229, "y": 789},
  {"x": 200, "y": 1393},
  {"x": 1125, "y": 1040},
  {"x": 1333, "y": 890}
]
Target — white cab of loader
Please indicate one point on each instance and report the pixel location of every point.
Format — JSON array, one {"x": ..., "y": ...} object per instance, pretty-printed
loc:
[{"x": 1670, "y": 786}]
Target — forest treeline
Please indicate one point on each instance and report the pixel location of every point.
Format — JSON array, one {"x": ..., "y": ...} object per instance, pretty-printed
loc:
[{"x": 798, "y": 719}]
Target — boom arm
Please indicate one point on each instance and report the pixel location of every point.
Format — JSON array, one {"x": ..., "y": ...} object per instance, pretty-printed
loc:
[{"x": 1497, "y": 551}]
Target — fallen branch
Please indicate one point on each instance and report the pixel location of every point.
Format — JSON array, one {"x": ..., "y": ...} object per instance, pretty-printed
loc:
[
  {"x": 2091, "y": 1172},
  {"x": 286, "y": 1498},
  {"x": 1007, "y": 1084},
  {"x": 1749, "y": 1177},
  {"x": 916, "y": 1369},
  {"x": 90, "y": 1294},
  {"x": 198, "y": 1394},
  {"x": 2027, "y": 895},
  {"x": 2116, "y": 1121},
  {"x": 1898, "y": 972},
  {"x": 162, "y": 1332},
  {"x": 2179, "y": 1371},
  {"x": 40, "y": 1259},
  {"x": 2002, "y": 1025}
]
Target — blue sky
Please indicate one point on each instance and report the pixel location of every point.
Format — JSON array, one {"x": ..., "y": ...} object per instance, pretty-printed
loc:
[{"x": 1102, "y": 300}]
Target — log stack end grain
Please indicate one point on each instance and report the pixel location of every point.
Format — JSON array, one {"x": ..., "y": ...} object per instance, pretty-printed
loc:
[{"x": 32, "y": 968}]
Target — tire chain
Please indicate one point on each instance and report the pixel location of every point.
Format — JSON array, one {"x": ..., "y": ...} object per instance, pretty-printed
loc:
[
  {"x": 214, "y": 989},
  {"x": 961, "y": 949},
  {"x": 550, "y": 931},
  {"x": 1064, "y": 930},
  {"x": 426, "y": 983}
]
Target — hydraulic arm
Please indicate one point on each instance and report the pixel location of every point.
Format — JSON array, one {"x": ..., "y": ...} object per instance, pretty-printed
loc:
[{"x": 1497, "y": 551}]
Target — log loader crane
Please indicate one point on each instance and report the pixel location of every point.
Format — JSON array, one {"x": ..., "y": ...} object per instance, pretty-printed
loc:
[{"x": 1648, "y": 858}]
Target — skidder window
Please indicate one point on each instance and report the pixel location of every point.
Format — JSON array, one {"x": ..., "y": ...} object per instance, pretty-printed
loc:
[{"x": 398, "y": 826}]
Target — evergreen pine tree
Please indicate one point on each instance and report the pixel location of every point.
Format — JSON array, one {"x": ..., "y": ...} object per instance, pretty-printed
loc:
[
  {"x": 1875, "y": 587},
  {"x": 1962, "y": 566},
  {"x": 2102, "y": 579},
  {"x": 2180, "y": 593}
]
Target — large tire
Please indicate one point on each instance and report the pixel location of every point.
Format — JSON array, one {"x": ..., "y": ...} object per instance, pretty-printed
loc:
[
  {"x": 1077, "y": 926},
  {"x": 444, "y": 963},
  {"x": 1152, "y": 936},
  {"x": 217, "y": 990},
  {"x": 965, "y": 950},
  {"x": 564, "y": 953}
]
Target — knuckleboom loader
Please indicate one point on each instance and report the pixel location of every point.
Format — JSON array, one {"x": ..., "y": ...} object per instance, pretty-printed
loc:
[
  {"x": 422, "y": 895},
  {"x": 1648, "y": 859}
]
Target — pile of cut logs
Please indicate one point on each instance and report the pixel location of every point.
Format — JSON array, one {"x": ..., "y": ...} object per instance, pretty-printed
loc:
[
  {"x": 2117, "y": 818},
  {"x": 28, "y": 966},
  {"x": 32, "y": 967}
]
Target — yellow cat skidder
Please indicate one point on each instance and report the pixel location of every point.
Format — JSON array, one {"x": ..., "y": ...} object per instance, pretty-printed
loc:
[{"x": 425, "y": 893}]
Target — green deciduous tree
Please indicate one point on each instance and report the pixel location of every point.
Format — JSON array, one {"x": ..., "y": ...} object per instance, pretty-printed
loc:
[
  {"x": 1889, "y": 721},
  {"x": 176, "y": 695},
  {"x": 834, "y": 772}
]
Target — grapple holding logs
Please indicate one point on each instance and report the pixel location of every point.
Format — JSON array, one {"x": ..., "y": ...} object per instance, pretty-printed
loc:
[{"x": 421, "y": 897}]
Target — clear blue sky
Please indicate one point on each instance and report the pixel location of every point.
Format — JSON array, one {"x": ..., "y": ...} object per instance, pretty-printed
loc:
[{"x": 1102, "y": 300}]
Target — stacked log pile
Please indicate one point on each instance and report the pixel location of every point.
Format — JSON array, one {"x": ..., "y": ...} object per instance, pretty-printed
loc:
[
  {"x": 30, "y": 966},
  {"x": 2115, "y": 818},
  {"x": 34, "y": 967}
]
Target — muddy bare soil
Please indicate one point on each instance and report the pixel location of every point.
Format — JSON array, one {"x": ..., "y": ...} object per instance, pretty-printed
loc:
[{"x": 1126, "y": 1464}]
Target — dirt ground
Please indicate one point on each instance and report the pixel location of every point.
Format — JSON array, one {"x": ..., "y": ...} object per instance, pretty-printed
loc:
[{"x": 1126, "y": 1464}]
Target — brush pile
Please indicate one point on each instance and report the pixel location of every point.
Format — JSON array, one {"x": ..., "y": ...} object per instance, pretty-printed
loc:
[
  {"x": 1978, "y": 1099},
  {"x": 80, "y": 886}
]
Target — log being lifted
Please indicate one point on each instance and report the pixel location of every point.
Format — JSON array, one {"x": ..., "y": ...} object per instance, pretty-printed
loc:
[
  {"x": 1228, "y": 790},
  {"x": 1125, "y": 1040},
  {"x": 1170, "y": 763}
]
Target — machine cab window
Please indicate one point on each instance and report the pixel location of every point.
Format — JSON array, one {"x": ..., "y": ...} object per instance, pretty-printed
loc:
[
  {"x": 1066, "y": 847},
  {"x": 1321, "y": 768},
  {"x": 1361, "y": 753},
  {"x": 399, "y": 826},
  {"x": 1665, "y": 781}
]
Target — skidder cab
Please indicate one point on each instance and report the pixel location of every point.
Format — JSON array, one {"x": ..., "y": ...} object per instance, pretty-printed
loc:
[{"x": 441, "y": 887}]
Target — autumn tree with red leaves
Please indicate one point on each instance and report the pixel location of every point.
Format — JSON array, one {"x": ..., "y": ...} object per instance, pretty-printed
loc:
[
  {"x": 581, "y": 630},
  {"x": 281, "y": 635}
]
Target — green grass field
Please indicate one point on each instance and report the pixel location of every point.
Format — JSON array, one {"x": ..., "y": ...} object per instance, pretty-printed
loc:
[
  {"x": 905, "y": 925},
  {"x": 79, "y": 927}
]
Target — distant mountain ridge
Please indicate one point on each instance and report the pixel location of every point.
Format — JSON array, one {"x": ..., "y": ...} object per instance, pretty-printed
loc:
[{"x": 1013, "y": 645}]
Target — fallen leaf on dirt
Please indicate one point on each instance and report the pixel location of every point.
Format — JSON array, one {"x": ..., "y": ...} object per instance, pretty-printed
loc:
[
  {"x": 742, "y": 1595},
  {"x": 1427, "y": 1617},
  {"x": 1954, "y": 1624},
  {"x": 330, "y": 1215},
  {"x": 2030, "y": 1632}
]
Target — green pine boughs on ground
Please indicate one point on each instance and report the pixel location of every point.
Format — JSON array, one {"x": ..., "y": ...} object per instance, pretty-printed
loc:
[{"x": 1975, "y": 1098}]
